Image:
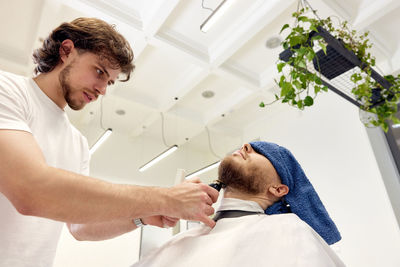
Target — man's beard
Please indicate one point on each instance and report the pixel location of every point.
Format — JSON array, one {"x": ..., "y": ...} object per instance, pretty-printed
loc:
[
  {"x": 67, "y": 89},
  {"x": 233, "y": 176}
]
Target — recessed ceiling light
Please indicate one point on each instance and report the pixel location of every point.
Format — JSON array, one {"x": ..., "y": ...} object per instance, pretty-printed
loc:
[
  {"x": 120, "y": 112},
  {"x": 208, "y": 94},
  {"x": 273, "y": 42}
]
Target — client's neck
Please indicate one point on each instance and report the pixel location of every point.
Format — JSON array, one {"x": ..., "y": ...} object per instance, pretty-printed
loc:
[{"x": 260, "y": 198}]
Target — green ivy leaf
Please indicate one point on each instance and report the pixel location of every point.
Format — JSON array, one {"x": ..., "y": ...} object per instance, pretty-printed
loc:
[
  {"x": 323, "y": 46},
  {"x": 308, "y": 101},
  {"x": 285, "y": 45},
  {"x": 310, "y": 55},
  {"x": 284, "y": 27},
  {"x": 316, "y": 37},
  {"x": 295, "y": 40},
  {"x": 262, "y": 105},
  {"x": 302, "y": 51},
  {"x": 300, "y": 104},
  {"x": 280, "y": 66},
  {"x": 303, "y": 19},
  {"x": 385, "y": 127},
  {"x": 302, "y": 64},
  {"x": 297, "y": 84},
  {"x": 395, "y": 120},
  {"x": 356, "y": 77},
  {"x": 286, "y": 88},
  {"x": 294, "y": 74},
  {"x": 303, "y": 79},
  {"x": 313, "y": 28}
]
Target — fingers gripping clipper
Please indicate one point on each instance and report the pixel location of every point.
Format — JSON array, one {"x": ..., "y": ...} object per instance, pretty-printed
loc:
[{"x": 217, "y": 184}]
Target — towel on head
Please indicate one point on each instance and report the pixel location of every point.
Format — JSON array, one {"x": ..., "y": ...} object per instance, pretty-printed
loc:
[{"x": 302, "y": 197}]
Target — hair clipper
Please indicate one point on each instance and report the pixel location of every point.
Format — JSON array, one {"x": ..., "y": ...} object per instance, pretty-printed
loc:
[{"x": 217, "y": 184}]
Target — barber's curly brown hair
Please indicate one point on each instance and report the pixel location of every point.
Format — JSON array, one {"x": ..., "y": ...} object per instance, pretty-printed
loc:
[{"x": 88, "y": 35}]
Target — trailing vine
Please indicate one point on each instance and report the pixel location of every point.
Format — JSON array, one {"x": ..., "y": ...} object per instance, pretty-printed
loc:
[{"x": 300, "y": 85}]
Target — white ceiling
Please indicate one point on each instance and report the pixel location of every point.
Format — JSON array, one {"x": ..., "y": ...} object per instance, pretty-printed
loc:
[{"x": 176, "y": 62}]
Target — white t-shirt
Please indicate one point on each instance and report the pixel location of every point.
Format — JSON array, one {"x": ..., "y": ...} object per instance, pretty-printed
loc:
[
  {"x": 26, "y": 240},
  {"x": 282, "y": 240}
]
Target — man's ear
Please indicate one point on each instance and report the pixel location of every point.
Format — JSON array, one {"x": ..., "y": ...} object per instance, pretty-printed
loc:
[
  {"x": 279, "y": 190},
  {"x": 65, "y": 49}
]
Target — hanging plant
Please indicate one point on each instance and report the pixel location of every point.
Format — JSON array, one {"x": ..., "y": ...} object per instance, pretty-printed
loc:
[{"x": 309, "y": 61}]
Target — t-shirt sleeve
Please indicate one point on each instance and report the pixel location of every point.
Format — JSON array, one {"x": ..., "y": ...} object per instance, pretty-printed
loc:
[{"x": 13, "y": 104}]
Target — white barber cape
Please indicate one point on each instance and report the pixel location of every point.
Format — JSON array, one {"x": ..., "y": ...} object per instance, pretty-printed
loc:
[{"x": 251, "y": 240}]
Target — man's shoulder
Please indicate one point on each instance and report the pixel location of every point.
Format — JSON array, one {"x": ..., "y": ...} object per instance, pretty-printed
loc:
[
  {"x": 4, "y": 75},
  {"x": 288, "y": 220},
  {"x": 11, "y": 81}
]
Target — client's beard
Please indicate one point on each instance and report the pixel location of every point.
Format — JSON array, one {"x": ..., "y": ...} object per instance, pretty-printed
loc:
[{"x": 230, "y": 173}]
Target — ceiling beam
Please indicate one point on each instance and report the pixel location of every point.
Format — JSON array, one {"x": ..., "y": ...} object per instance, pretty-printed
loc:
[
  {"x": 374, "y": 11},
  {"x": 395, "y": 61},
  {"x": 256, "y": 18},
  {"x": 155, "y": 20},
  {"x": 111, "y": 9},
  {"x": 238, "y": 72},
  {"x": 182, "y": 43},
  {"x": 338, "y": 8}
]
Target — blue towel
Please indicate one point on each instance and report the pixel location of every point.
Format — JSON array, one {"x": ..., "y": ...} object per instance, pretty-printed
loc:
[{"x": 302, "y": 198}]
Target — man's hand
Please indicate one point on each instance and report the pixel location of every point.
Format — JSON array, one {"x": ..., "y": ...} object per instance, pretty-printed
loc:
[
  {"x": 160, "y": 221},
  {"x": 192, "y": 200}
]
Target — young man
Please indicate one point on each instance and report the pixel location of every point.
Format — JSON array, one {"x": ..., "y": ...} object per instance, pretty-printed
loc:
[
  {"x": 260, "y": 179},
  {"x": 44, "y": 160}
]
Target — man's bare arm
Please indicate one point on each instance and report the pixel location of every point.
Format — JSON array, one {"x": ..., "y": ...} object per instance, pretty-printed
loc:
[
  {"x": 36, "y": 189},
  {"x": 101, "y": 230},
  {"x": 108, "y": 230}
]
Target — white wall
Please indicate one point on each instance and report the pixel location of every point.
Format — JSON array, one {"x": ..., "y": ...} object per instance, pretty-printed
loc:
[{"x": 332, "y": 146}]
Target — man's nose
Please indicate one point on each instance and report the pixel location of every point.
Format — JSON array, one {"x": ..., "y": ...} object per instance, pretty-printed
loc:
[{"x": 101, "y": 88}]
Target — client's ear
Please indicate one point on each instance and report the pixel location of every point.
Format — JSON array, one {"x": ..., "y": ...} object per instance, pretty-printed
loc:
[{"x": 279, "y": 190}]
